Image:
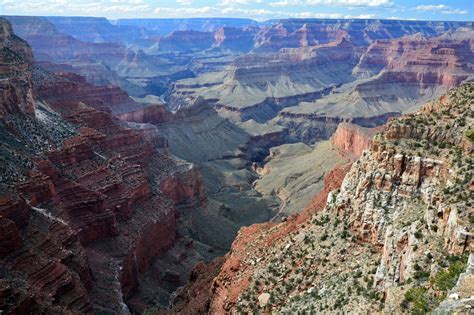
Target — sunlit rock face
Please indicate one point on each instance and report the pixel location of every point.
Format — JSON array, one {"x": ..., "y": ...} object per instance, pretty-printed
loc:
[
  {"x": 399, "y": 215},
  {"x": 115, "y": 198}
]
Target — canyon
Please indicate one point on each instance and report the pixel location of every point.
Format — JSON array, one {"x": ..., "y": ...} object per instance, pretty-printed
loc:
[
  {"x": 218, "y": 165},
  {"x": 387, "y": 224}
]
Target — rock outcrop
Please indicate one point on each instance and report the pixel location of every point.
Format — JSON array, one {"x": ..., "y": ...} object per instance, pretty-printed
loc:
[
  {"x": 397, "y": 228},
  {"x": 163, "y": 27},
  {"x": 90, "y": 193},
  {"x": 310, "y": 32},
  {"x": 15, "y": 83},
  {"x": 352, "y": 138},
  {"x": 183, "y": 41},
  {"x": 82, "y": 209},
  {"x": 216, "y": 287},
  {"x": 445, "y": 60},
  {"x": 234, "y": 39}
]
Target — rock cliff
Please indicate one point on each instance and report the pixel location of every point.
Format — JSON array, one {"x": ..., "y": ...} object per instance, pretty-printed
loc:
[
  {"x": 183, "y": 41},
  {"x": 352, "y": 138},
  {"x": 15, "y": 83},
  {"x": 397, "y": 230},
  {"x": 87, "y": 202},
  {"x": 310, "y": 32},
  {"x": 234, "y": 39}
]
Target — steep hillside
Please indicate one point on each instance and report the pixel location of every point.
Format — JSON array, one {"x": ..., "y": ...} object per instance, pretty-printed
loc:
[
  {"x": 101, "y": 63},
  {"x": 97, "y": 30},
  {"x": 108, "y": 201},
  {"x": 257, "y": 84},
  {"x": 87, "y": 203},
  {"x": 394, "y": 236}
]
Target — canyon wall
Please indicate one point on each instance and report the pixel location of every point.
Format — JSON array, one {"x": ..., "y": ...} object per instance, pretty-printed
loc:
[
  {"x": 353, "y": 138},
  {"x": 80, "y": 192},
  {"x": 17, "y": 94},
  {"x": 391, "y": 227}
]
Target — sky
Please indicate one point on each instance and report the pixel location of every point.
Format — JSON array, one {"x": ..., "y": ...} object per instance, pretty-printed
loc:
[{"x": 256, "y": 9}]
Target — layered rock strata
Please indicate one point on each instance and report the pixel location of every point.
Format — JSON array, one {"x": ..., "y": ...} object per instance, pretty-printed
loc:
[
  {"x": 398, "y": 224},
  {"x": 81, "y": 202}
]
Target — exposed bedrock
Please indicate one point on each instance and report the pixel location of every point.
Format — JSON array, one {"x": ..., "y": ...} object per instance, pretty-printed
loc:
[
  {"x": 353, "y": 138},
  {"x": 81, "y": 197},
  {"x": 442, "y": 60},
  {"x": 50, "y": 44},
  {"x": 269, "y": 108},
  {"x": 209, "y": 292},
  {"x": 15, "y": 84},
  {"x": 182, "y": 41},
  {"x": 184, "y": 188},
  {"x": 153, "y": 114},
  {"x": 258, "y": 146},
  {"x": 308, "y": 32},
  {"x": 154, "y": 239},
  {"x": 310, "y": 128},
  {"x": 407, "y": 198},
  {"x": 59, "y": 277},
  {"x": 72, "y": 88},
  {"x": 234, "y": 38}
]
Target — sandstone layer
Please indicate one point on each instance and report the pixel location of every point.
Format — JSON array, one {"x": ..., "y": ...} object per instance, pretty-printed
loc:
[
  {"x": 398, "y": 224},
  {"x": 87, "y": 203}
]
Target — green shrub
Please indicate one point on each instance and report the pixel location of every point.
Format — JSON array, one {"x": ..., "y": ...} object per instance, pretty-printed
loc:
[
  {"x": 470, "y": 134},
  {"x": 418, "y": 299},
  {"x": 446, "y": 279}
]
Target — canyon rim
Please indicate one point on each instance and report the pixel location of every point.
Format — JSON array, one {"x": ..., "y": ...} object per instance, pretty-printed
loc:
[{"x": 296, "y": 164}]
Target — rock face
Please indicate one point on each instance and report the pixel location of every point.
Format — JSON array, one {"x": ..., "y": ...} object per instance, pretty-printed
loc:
[
  {"x": 82, "y": 211},
  {"x": 72, "y": 88},
  {"x": 183, "y": 41},
  {"x": 209, "y": 292},
  {"x": 234, "y": 39},
  {"x": 257, "y": 86},
  {"x": 310, "y": 32},
  {"x": 97, "y": 29},
  {"x": 459, "y": 299},
  {"x": 445, "y": 60},
  {"x": 49, "y": 44},
  {"x": 90, "y": 191},
  {"x": 15, "y": 86},
  {"x": 149, "y": 114},
  {"x": 400, "y": 217},
  {"x": 352, "y": 138},
  {"x": 166, "y": 26},
  {"x": 321, "y": 73},
  {"x": 103, "y": 63},
  {"x": 60, "y": 270},
  {"x": 184, "y": 188}
]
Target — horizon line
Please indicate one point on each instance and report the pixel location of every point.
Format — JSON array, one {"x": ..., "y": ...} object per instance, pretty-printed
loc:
[{"x": 236, "y": 18}]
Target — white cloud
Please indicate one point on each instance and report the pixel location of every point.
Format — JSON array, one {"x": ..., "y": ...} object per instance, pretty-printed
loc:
[
  {"x": 257, "y": 14},
  {"x": 180, "y": 12},
  {"x": 307, "y": 15},
  {"x": 85, "y": 7},
  {"x": 185, "y": 2},
  {"x": 237, "y": 2},
  {"x": 335, "y": 3},
  {"x": 440, "y": 8},
  {"x": 361, "y": 16},
  {"x": 400, "y": 18}
]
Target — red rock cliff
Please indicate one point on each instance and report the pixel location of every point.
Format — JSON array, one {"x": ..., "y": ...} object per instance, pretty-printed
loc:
[{"x": 352, "y": 138}]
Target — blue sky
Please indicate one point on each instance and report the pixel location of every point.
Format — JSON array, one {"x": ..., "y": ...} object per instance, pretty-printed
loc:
[{"x": 255, "y": 9}]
